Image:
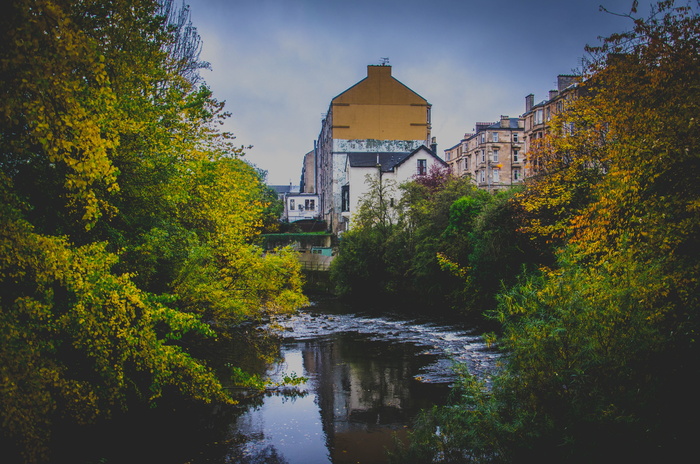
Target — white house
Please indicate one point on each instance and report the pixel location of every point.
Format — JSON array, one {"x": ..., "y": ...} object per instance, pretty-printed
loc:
[
  {"x": 397, "y": 166},
  {"x": 298, "y": 206}
]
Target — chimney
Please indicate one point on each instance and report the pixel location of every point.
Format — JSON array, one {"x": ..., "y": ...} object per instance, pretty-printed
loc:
[
  {"x": 505, "y": 122},
  {"x": 553, "y": 94},
  {"x": 529, "y": 102},
  {"x": 433, "y": 145},
  {"x": 375, "y": 71},
  {"x": 564, "y": 81},
  {"x": 480, "y": 126}
]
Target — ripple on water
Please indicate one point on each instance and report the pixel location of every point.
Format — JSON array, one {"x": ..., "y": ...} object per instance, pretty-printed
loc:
[{"x": 447, "y": 344}]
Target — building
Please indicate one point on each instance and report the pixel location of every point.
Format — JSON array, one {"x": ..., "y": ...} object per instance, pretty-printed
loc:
[
  {"x": 453, "y": 153},
  {"x": 283, "y": 190},
  {"x": 537, "y": 116},
  {"x": 397, "y": 167},
  {"x": 308, "y": 174},
  {"x": 300, "y": 206},
  {"x": 492, "y": 156},
  {"x": 379, "y": 114}
]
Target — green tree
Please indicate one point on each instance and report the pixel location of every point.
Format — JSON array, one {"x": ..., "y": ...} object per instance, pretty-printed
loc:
[{"x": 127, "y": 217}]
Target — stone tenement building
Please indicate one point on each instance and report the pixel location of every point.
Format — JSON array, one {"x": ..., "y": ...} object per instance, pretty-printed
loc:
[
  {"x": 377, "y": 115},
  {"x": 495, "y": 156},
  {"x": 492, "y": 156},
  {"x": 537, "y": 116}
]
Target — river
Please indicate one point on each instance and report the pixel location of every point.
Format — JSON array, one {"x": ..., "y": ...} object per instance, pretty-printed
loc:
[
  {"x": 369, "y": 374},
  {"x": 368, "y": 377}
]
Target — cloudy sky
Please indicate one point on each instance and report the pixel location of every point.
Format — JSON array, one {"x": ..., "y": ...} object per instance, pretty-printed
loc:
[{"x": 278, "y": 63}]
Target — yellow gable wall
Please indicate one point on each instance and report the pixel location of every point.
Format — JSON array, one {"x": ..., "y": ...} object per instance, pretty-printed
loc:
[{"x": 381, "y": 108}]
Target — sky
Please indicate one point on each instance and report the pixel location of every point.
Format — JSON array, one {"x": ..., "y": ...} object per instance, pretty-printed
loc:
[{"x": 278, "y": 63}]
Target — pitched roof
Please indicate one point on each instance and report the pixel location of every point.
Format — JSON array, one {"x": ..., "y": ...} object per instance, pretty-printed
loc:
[
  {"x": 388, "y": 160},
  {"x": 513, "y": 124},
  {"x": 377, "y": 76}
]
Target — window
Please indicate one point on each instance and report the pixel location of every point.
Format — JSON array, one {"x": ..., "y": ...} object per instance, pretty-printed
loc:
[
  {"x": 538, "y": 116},
  {"x": 494, "y": 136},
  {"x": 483, "y": 137},
  {"x": 496, "y": 175},
  {"x": 483, "y": 156},
  {"x": 310, "y": 205},
  {"x": 345, "y": 198},
  {"x": 483, "y": 175},
  {"x": 422, "y": 167},
  {"x": 291, "y": 204},
  {"x": 516, "y": 174},
  {"x": 515, "y": 156},
  {"x": 495, "y": 156},
  {"x": 515, "y": 138}
]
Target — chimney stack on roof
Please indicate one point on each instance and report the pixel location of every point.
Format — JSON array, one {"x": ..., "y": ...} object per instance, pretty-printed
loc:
[
  {"x": 505, "y": 122},
  {"x": 564, "y": 81},
  {"x": 376, "y": 70},
  {"x": 529, "y": 102},
  {"x": 480, "y": 126}
]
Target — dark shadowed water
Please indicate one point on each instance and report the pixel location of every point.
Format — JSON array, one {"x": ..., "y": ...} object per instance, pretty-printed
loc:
[
  {"x": 368, "y": 378},
  {"x": 369, "y": 374}
]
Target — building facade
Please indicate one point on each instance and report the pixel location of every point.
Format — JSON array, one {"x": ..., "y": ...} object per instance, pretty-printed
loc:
[
  {"x": 299, "y": 206},
  {"x": 308, "y": 173},
  {"x": 395, "y": 167},
  {"x": 492, "y": 156},
  {"x": 379, "y": 114},
  {"x": 537, "y": 116}
]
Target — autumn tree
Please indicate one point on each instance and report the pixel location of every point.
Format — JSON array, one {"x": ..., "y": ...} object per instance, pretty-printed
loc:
[
  {"x": 127, "y": 217},
  {"x": 601, "y": 348}
]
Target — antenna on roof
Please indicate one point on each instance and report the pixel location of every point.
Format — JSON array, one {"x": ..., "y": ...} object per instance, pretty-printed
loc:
[{"x": 384, "y": 61}]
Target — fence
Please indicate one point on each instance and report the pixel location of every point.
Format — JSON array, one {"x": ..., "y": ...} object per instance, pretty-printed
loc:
[{"x": 315, "y": 262}]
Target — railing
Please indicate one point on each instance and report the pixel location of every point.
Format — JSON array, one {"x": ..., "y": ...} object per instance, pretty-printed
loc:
[{"x": 315, "y": 262}]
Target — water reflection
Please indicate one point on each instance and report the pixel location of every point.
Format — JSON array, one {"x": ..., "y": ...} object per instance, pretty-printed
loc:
[
  {"x": 369, "y": 375},
  {"x": 360, "y": 393}
]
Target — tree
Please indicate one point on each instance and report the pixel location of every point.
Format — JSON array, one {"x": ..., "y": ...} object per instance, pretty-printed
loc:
[
  {"x": 601, "y": 349},
  {"x": 127, "y": 218}
]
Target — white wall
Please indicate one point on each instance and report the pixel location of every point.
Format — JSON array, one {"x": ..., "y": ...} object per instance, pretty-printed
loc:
[
  {"x": 406, "y": 171},
  {"x": 292, "y": 211}
]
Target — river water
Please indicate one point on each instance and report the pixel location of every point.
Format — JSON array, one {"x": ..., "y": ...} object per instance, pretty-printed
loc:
[
  {"x": 368, "y": 377},
  {"x": 369, "y": 374}
]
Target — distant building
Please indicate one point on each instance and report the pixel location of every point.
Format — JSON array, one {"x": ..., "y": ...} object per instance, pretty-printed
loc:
[
  {"x": 284, "y": 190},
  {"x": 379, "y": 114},
  {"x": 308, "y": 173},
  {"x": 492, "y": 156},
  {"x": 299, "y": 206},
  {"x": 537, "y": 116},
  {"x": 453, "y": 153}
]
